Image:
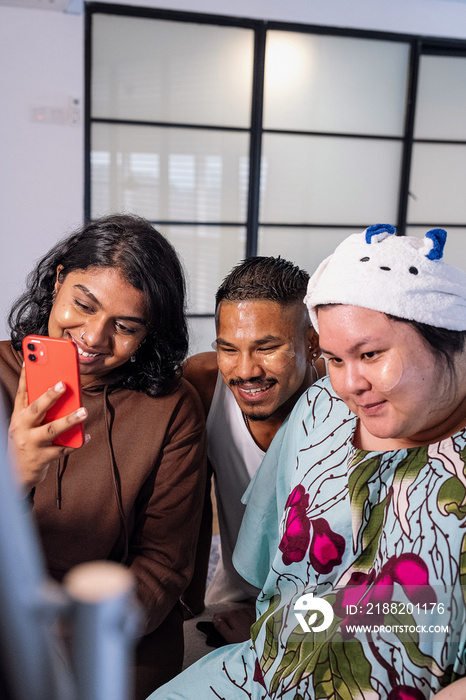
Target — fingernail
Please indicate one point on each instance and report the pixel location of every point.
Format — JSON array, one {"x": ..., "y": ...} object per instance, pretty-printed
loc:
[
  {"x": 59, "y": 386},
  {"x": 81, "y": 413}
]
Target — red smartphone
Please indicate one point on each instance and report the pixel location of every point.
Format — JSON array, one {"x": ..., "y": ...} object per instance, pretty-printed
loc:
[{"x": 48, "y": 361}]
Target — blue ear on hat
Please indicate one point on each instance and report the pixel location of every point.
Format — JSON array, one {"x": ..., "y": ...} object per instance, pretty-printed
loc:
[
  {"x": 439, "y": 236},
  {"x": 402, "y": 276},
  {"x": 377, "y": 229},
  {"x": 377, "y": 232}
]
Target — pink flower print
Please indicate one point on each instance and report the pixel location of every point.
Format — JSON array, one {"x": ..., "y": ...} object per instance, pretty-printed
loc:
[
  {"x": 298, "y": 497},
  {"x": 364, "y": 591},
  {"x": 405, "y": 692},
  {"x": 327, "y": 547},
  {"x": 295, "y": 540},
  {"x": 412, "y": 573},
  {"x": 357, "y": 588}
]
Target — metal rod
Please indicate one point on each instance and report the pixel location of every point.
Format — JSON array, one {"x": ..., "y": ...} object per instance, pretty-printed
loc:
[{"x": 105, "y": 619}]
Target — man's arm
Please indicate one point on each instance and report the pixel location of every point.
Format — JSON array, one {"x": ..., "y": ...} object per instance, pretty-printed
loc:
[
  {"x": 201, "y": 371},
  {"x": 455, "y": 691}
]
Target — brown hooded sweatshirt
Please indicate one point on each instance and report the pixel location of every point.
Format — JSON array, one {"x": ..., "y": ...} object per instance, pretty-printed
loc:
[{"x": 133, "y": 494}]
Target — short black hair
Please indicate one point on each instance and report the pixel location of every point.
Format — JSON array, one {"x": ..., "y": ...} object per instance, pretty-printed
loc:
[
  {"x": 149, "y": 263},
  {"x": 267, "y": 278}
]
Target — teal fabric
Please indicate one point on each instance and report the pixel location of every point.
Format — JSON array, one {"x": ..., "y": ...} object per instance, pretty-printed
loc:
[
  {"x": 379, "y": 535},
  {"x": 254, "y": 554}
]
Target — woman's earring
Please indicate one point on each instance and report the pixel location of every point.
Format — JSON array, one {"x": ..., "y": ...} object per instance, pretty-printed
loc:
[{"x": 133, "y": 358}]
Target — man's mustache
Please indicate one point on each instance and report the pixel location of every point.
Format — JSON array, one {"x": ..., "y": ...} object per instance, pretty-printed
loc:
[{"x": 252, "y": 380}]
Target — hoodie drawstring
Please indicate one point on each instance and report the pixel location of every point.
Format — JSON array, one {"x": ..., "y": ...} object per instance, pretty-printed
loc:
[
  {"x": 114, "y": 472},
  {"x": 60, "y": 473}
]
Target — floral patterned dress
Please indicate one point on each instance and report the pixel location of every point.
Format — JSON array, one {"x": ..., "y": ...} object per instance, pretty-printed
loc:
[{"x": 380, "y": 536}]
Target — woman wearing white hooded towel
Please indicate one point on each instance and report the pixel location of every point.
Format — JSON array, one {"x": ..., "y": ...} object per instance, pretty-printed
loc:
[{"x": 360, "y": 501}]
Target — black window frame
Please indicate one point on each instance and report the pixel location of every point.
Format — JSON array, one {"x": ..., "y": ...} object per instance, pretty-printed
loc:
[{"x": 418, "y": 46}]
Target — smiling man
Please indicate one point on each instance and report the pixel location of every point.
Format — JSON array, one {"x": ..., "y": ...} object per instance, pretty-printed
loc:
[{"x": 264, "y": 360}]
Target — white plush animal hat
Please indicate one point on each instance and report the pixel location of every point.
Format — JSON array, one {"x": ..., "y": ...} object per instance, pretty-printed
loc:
[{"x": 403, "y": 276}]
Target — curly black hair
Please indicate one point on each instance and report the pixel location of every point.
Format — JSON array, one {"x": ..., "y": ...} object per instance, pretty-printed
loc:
[{"x": 149, "y": 263}]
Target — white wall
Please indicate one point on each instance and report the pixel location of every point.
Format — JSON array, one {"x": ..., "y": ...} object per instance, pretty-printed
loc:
[
  {"x": 446, "y": 18},
  {"x": 41, "y": 181},
  {"x": 42, "y": 63}
]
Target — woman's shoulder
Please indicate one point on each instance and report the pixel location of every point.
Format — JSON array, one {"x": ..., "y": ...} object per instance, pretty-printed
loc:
[
  {"x": 9, "y": 356},
  {"x": 182, "y": 403},
  {"x": 10, "y": 369},
  {"x": 318, "y": 415},
  {"x": 183, "y": 409},
  {"x": 320, "y": 400},
  {"x": 184, "y": 393},
  {"x": 11, "y": 361},
  {"x": 188, "y": 395}
]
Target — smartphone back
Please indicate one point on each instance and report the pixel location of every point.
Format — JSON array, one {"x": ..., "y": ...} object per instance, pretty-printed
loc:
[{"x": 48, "y": 361}]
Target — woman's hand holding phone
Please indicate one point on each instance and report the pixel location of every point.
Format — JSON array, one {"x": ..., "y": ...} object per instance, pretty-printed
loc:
[{"x": 30, "y": 439}]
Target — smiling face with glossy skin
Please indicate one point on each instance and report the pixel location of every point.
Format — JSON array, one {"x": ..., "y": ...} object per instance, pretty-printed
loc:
[
  {"x": 263, "y": 354},
  {"x": 103, "y": 314},
  {"x": 420, "y": 403}
]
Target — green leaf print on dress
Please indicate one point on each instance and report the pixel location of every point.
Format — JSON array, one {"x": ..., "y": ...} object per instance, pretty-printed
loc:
[
  {"x": 368, "y": 518},
  {"x": 336, "y": 663},
  {"x": 369, "y": 532}
]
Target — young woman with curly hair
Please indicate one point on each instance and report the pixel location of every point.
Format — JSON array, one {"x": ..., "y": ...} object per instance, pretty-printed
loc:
[{"x": 133, "y": 492}]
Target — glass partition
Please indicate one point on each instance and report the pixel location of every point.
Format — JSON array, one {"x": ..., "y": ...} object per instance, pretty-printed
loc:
[
  {"x": 163, "y": 71},
  {"x": 323, "y": 83},
  {"x": 238, "y": 137}
]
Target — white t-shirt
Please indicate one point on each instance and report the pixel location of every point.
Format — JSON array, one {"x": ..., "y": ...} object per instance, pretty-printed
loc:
[{"x": 235, "y": 458}]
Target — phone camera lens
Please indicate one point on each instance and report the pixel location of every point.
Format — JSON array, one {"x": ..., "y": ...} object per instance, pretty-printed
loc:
[
  {"x": 31, "y": 346},
  {"x": 32, "y": 357}
]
